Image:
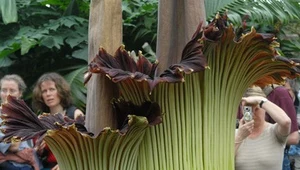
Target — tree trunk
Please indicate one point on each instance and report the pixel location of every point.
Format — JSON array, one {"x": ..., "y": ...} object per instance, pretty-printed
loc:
[
  {"x": 105, "y": 29},
  {"x": 177, "y": 21}
]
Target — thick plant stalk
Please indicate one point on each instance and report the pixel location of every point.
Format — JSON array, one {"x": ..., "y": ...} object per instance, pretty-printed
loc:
[
  {"x": 176, "y": 23},
  {"x": 105, "y": 29}
]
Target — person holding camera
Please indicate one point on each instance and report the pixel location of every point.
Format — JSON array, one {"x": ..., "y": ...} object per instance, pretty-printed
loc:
[{"x": 259, "y": 144}]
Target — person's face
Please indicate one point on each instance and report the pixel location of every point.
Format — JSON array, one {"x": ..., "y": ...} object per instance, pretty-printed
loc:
[
  {"x": 50, "y": 94},
  {"x": 9, "y": 87},
  {"x": 288, "y": 86},
  {"x": 258, "y": 113}
]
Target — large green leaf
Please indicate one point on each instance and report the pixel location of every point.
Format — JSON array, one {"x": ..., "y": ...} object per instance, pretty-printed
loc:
[
  {"x": 77, "y": 37},
  {"x": 81, "y": 53},
  {"x": 261, "y": 11},
  {"x": 5, "y": 61},
  {"x": 51, "y": 41},
  {"x": 212, "y": 5},
  {"x": 291, "y": 48},
  {"x": 75, "y": 79},
  {"x": 68, "y": 21},
  {"x": 140, "y": 22},
  {"x": 26, "y": 44},
  {"x": 8, "y": 49},
  {"x": 8, "y": 9}
]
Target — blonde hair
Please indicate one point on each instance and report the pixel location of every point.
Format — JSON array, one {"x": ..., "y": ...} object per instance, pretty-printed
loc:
[{"x": 254, "y": 91}]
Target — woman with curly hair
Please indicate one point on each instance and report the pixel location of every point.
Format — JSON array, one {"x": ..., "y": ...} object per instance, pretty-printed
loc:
[{"x": 52, "y": 94}]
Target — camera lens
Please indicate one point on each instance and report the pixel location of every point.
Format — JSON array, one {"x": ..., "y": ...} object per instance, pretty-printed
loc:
[{"x": 247, "y": 116}]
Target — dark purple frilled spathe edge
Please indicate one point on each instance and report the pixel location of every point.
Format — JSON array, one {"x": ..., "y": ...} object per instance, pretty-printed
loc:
[
  {"x": 23, "y": 124},
  {"x": 122, "y": 66}
]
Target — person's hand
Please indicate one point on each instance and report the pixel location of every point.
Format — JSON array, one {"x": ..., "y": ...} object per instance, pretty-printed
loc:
[
  {"x": 14, "y": 147},
  {"x": 27, "y": 155},
  {"x": 252, "y": 100},
  {"x": 40, "y": 148},
  {"x": 245, "y": 129},
  {"x": 55, "y": 167}
]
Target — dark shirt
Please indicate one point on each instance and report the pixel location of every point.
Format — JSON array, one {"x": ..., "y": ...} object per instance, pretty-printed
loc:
[
  {"x": 282, "y": 98},
  {"x": 70, "y": 111},
  {"x": 50, "y": 160}
]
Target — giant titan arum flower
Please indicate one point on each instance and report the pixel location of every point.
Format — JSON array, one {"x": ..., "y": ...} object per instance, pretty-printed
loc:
[
  {"x": 74, "y": 147},
  {"x": 199, "y": 98}
]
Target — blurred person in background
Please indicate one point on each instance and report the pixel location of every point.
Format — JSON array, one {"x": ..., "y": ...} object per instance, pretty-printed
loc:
[
  {"x": 17, "y": 155},
  {"x": 294, "y": 151},
  {"x": 284, "y": 98}
]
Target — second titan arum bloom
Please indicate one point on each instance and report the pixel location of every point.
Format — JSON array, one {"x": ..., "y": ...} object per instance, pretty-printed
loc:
[
  {"x": 74, "y": 147},
  {"x": 199, "y": 98}
]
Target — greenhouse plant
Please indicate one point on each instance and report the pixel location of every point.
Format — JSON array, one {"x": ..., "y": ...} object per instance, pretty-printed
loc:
[{"x": 172, "y": 121}]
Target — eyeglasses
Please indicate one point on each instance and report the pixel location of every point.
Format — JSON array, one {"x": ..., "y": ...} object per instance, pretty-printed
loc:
[{"x": 10, "y": 91}]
